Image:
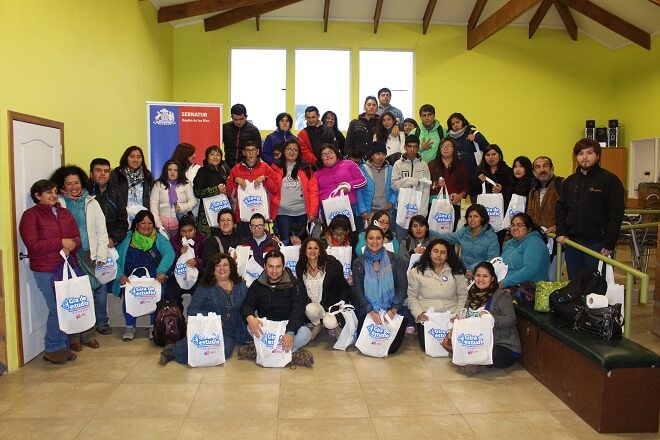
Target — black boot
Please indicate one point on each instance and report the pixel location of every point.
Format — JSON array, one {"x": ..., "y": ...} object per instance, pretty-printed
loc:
[{"x": 167, "y": 354}]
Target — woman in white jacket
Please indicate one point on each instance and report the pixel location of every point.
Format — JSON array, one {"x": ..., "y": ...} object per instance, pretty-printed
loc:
[
  {"x": 438, "y": 281},
  {"x": 71, "y": 182},
  {"x": 171, "y": 197}
]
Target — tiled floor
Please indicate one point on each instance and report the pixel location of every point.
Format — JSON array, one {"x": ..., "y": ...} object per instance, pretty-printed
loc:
[{"x": 119, "y": 391}]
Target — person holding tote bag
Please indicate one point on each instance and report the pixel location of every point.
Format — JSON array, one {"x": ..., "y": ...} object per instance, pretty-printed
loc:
[
  {"x": 143, "y": 247},
  {"x": 171, "y": 197},
  {"x": 46, "y": 229},
  {"x": 210, "y": 181},
  {"x": 222, "y": 238},
  {"x": 72, "y": 183}
]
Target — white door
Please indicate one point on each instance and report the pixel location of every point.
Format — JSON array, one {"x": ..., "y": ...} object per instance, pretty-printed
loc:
[{"x": 37, "y": 153}]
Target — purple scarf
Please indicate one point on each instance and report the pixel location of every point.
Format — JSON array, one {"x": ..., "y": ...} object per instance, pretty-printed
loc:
[{"x": 171, "y": 192}]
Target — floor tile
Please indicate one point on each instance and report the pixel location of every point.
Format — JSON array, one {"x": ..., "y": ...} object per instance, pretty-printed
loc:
[
  {"x": 326, "y": 369},
  {"x": 163, "y": 400},
  {"x": 580, "y": 429},
  {"x": 241, "y": 371},
  {"x": 235, "y": 427},
  {"x": 49, "y": 428},
  {"x": 407, "y": 399},
  {"x": 423, "y": 428},
  {"x": 398, "y": 368},
  {"x": 321, "y": 400},
  {"x": 517, "y": 425},
  {"x": 103, "y": 427},
  {"x": 326, "y": 429},
  {"x": 148, "y": 370},
  {"x": 235, "y": 400}
]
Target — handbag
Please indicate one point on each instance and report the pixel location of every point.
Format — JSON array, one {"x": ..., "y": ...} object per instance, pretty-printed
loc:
[
  {"x": 441, "y": 214},
  {"x": 252, "y": 200},
  {"x": 494, "y": 204},
  {"x": 73, "y": 297},
  {"x": 212, "y": 206},
  {"x": 141, "y": 294},
  {"x": 337, "y": 203},
  {"x": 348, "y": 333},
  {"x": 408, "y": 205},
  {"x": 269, "y": 347},
  {"x": 605, "y": 323},
  {"x": 186, "y": 276},
  {"x": 206, "y": 344},
  {"x": 567, "y": 301}
]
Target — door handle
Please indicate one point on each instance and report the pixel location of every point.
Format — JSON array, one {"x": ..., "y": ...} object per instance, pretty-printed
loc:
[{"x": 22, "y": 256}]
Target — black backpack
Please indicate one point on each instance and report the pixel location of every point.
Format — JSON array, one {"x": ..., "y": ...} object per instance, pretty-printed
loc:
[
  {"x": 170, "y": 323},
  {"x": 567, "y": 301}
]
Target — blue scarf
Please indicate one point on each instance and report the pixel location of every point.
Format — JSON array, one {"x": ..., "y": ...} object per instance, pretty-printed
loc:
[{"x": 378, "y": 286}]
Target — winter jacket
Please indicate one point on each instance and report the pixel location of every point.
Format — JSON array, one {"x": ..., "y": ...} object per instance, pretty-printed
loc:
[
  {"x": 526, "y": 259},
  {"x": 435, "y": 135},
  {"x": 394, "y": 144},
  {"x": 361, "y": 132},
  {"x": 271, "y": 141},
  {"x": 466, "y": 149},
  {"x": 310, "y": 189},
  {"x": 160, "y": 201},
  {"x": 505, "y": 332},
  {"x": 543, "y": 213},
  {"x": 365, "y": 195},
  {"x": 483, "y": 247},
  {"x": 456, "y": 180},
  {"x": 445, "y": 292},
  {"x": 42, "y": 232},
  {"x": 235, "y": 138},
  {"x": 282, "y": 301},
  {"x": 591, "y": 207},
  {"x": 311, "y": 140},
  {"x": 503, "y": 175},
  {"x": 198, "y": 247},
  {"x": 250, "y": 173},
  {"x": 258, "y": 250},
  {"x": 119, "y": 181},
  {"x": 206, "y": 185},
  {"x": 114, "y": 209},
  {"x": 407, "y": 173},
  {"x": 97, "y": 232},
  {"x": 335, "y": 287},
  {"x": 361, "y": 302},
  {"x": 212, "y": 247},
  {"x": 343, "y": 171}
]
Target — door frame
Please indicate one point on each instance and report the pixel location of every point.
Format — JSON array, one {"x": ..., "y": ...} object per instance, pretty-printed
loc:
[{"x": 21, "y": 117}]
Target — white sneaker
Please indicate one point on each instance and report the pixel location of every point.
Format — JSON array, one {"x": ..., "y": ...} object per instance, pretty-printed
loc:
[
  {"x": 129, "y": 334},
  {"x": 150, "y": 331}
]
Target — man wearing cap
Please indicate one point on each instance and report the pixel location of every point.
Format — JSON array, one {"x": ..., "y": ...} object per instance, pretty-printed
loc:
[{"x": 378, "y": 193}]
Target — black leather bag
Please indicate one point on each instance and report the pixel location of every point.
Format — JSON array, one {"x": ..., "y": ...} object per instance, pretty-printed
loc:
[
  {"x": 605, "y": 323},
  {"x": 567, "y": 301}
]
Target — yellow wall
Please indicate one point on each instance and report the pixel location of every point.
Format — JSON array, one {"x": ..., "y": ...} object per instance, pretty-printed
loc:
[
  {"x": 529, "y": 96},
  {"x": 89, "y": 64}
]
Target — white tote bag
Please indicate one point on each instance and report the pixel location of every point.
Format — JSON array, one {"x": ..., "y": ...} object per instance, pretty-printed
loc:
[
  {"x": 435, "y": 330},
  {"x": 616, "y": 293},
  {"x": 348, "y": 333},
  {"x": 206, "y": 343},
  {"x": 252, "y": 272},
  {"x": 472, "y": 340},
  {"x": 141, "y": 294},
  {"x": 441, "y": 214},
  {"x": 375, "y": 340},
  {"x": 186, "y": 276},
  {"x": 501, "y": 268},
  {"x": 291, "y": 256},
  {"x": 108, "y": 271},
  {"x": 270, "y": 348},
  {"x": 343, "y": 254},
  {"x": 75, "y": 303},
  {"x": 494, "y": 204},
  {"x": 516, "y": 206},
  {"x": 213, "y": 205},
  {"x": 252, "y": 200},
  {"x": 408, "y": 206},
  {"x": 243, "y": 254},
  {"x": 338, "y": 203}
]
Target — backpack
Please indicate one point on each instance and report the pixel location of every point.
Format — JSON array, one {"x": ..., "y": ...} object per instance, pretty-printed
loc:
[
  {"x": 567, "y": 301},
  {"x": 170, "y": 324}
]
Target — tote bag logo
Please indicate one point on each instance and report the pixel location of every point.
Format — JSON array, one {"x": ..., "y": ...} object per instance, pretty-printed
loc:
[
  {"x": 269, "y": 339},
  {"x": 347, "y": 269},
  {"x": 143, "y": 291},
  {"x": 75, "y": 305},
  {"x": 219, "y": 205},
  {"x": 493, "y": 211},
  {"x": 206, "y": 341},
  {"x": 164, "y": 117},
  {"x": 441, "y": 217},
  {"x": 438, "y": 333},
  {"x": 109, "y": 263},
  {"x": 252, "y": 201},
  {"x": 291, "y": 264},
  {"x": 180, "y": 268},
  {"x": 378, "y": 332},
  {"x": 471, "y": 341},
  {"x": 345, "y": 212},
  {"x": 411, "y": 209}
]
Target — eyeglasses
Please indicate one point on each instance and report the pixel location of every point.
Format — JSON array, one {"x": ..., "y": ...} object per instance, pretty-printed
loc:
[
  {"x": 257, "y": 226},
  {"x": 518, "y": 225},
  {"x": 384, "y": 222}
]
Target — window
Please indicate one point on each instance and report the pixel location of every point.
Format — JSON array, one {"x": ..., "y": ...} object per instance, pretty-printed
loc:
[
  {"x": 323, "y": 79},
  {"x": 391, "y": 69},
  {"x": 258, "y": 81}
]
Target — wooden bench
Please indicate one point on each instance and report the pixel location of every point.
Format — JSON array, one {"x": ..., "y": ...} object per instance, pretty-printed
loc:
[{"x": 614, "y": 385}]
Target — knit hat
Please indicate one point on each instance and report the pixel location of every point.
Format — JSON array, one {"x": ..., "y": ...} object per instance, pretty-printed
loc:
[{"x": 377, "y": 148}]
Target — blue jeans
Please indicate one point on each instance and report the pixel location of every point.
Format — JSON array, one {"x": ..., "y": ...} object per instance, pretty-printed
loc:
[
  {"x": 359, "y": 222},
  {"x": 55, "y": 339},
  {"x": 131, "y": 320},
  {"x": 283, "y": 224},
  {"x": 577, "y": 261},
  {"x": 101, "y": 303},
  {"x": 302, "y": 337}
]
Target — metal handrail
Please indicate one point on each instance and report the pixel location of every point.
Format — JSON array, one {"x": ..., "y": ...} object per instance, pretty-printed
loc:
[
  {"x": 642, "y": 211},
  {"x": 630, "y": 274},
  {"x": 640, "y": 226}
]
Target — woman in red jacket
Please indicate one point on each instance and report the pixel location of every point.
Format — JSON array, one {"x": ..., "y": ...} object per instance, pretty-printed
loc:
[
  {"x": 297, "y": 202},
  {"x": 47, "y": 229}
]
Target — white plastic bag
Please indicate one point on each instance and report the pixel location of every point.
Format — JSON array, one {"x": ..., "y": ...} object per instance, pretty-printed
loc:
[
  {"x": 252, "y": 200},
  {"x": 108, "y": 272},
  {"x": 408, "y": 205},
  {"x": 252, "y": 271},
  {"x": 213, "y": 205},
  {"x": 270, "y": 348},
  {"x": 243, "y": 253},
  {"x": 375, "y": 340},
  {"x": 343, "y": 254},
  {"x": 141, "y": 294},
  {"x": 206, "y": 343},
  {"x": 348, "y": 333},
  {"x": 75, "y": 303},
  {"x": 338, "y": 203},
  {"x": 501, "y": 268},
  {"x": 516, "y": 206},
  {"x": 472, "y": 340},
  {"x": 494, "y": 204},
  {"x": 616, "y": 293},
  {"x": 186, "y": 276},
  {"x": 441, "y": 214},
  {"x": 291, "y": 256},
  {"x": 435, "y": 330}
]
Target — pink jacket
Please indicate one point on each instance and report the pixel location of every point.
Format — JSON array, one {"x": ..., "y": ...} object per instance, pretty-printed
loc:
[{"x": 330, "y": 178}]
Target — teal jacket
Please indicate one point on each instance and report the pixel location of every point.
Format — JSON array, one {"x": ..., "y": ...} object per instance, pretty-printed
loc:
[
  {"x": 483, "y": 247},
  {"x": 166, "y": 253},
  {"x": 527, "y": 259}
]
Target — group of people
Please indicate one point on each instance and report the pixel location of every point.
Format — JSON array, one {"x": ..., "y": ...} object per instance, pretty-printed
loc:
[{"x": 151, "y": 223}]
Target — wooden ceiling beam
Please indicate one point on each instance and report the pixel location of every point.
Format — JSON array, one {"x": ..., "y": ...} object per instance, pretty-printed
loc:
[
  {"x": 611, "y": 21},
  {"x": 428, "y": 14},
  {"x": 377, "y": 12},
  {"x": 256, "y": 21},
  {"x": 496, "y": 22},
  {"x": 539, "y": 15},
  {"x": 326, "y": 15},
  {"x": 567, "y": 18},
  {"x": 200, "y": 7},
  {"x": 237, "y": 15},
  {"x": 655, "y": 2},
  {"x": 476, "y": 13}
]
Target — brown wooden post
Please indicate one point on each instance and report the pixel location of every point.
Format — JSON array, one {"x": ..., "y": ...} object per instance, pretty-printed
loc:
[{"x": 656, "y": 295}]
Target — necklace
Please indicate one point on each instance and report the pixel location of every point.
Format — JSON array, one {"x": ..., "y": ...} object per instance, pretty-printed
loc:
[{"x": 229, "y": 299}]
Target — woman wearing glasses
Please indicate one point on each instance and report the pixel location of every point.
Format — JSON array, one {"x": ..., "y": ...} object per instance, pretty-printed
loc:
[{"x": 525, "y": 254}]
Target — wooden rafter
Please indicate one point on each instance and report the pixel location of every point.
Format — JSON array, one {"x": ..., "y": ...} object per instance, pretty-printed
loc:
[
  {"x": 379, "y": 9},
  {"x": 428, "y": 13},
  {"x": 200, "y": 7},
  {"x": 237, "y": 15},
  {"x": 539, "y": 15},
  {"x": 611, "y": 21},
  {"x": 476, "y": 14},
  {"x": 500, "y": 18},
  {"x": 655, "y": 2},
  {"x": 256, "y": 21},
  {"x": 567, "y": 18},
  {"x": 326, "y": 15}
]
